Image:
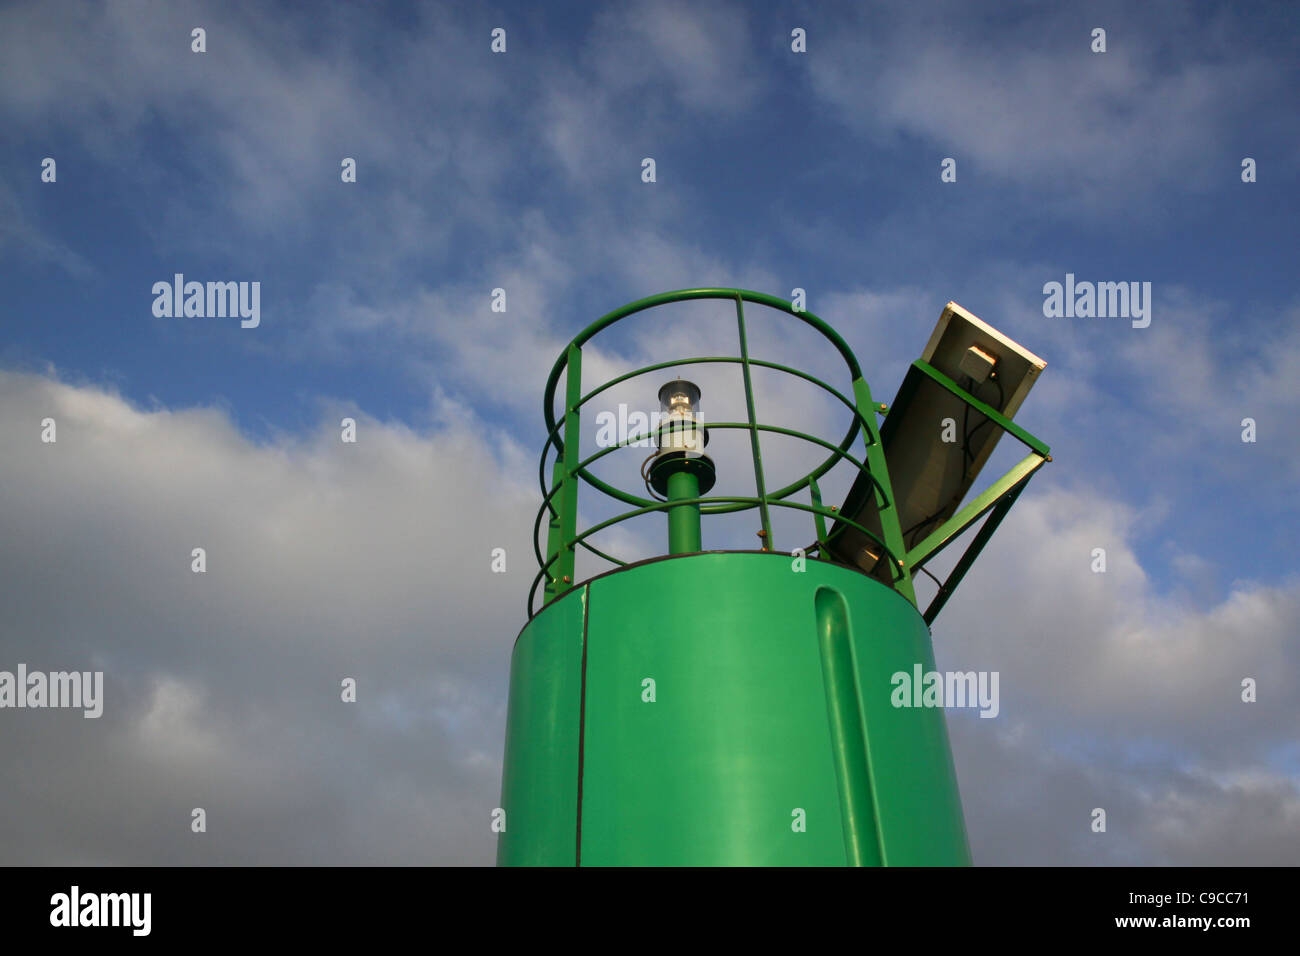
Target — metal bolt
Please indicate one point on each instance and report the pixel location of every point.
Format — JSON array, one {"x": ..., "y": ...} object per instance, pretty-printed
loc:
[{"x": 566, "y": 579}]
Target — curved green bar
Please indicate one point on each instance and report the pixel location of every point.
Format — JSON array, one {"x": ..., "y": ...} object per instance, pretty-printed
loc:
[
  {"x": 739, "y": 296},
  {"x": 772, "y": 707},
  {"x": 686, "y": 295}
]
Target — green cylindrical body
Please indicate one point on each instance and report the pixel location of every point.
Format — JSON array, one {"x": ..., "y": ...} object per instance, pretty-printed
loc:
[
  {"x": 683, "y": 520},
  {"x": 726, "y": 708}
]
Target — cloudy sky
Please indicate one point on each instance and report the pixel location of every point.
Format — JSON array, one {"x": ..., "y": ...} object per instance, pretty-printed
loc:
[{"x": 522, "y": 170}]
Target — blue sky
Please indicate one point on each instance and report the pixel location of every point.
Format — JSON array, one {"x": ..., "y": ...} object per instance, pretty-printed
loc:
[{"x": 775, "y": 170}]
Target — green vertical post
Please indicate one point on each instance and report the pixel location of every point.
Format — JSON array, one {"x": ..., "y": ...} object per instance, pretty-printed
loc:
[
  {"x": 564, "y": 524},
  {"x": 684, "y": 520},
  {"x": 884, "y": 491},
  {"x": 554, "y": 533},
  {"x": 819, "y": 522},
  {"x": 759, "y": 482}
]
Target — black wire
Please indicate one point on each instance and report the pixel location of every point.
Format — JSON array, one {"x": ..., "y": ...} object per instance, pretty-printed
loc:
[
  {"x": 967, "y": 455},
  {"x": 987, "y": 420},
  {"x": 646, "y": 478},
  {"x": 919, "y": 525},
  {"x": 926, "y": 571}
]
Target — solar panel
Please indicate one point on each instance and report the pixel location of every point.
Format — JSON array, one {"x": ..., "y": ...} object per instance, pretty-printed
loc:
[{"x": 935, "y": 443}]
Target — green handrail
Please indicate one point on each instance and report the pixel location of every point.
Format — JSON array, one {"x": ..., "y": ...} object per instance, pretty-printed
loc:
[{"x": 559, "y": 500}]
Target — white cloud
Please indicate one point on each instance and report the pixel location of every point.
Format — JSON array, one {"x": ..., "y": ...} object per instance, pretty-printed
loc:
[
  {"x": 1115, "y": 695},
  {"x": 325, "y": 560},
  {"x": 1024, "y": 99}
]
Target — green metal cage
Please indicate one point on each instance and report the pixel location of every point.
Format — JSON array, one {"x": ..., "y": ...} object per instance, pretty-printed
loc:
[{"x": 559, "y": 507}]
